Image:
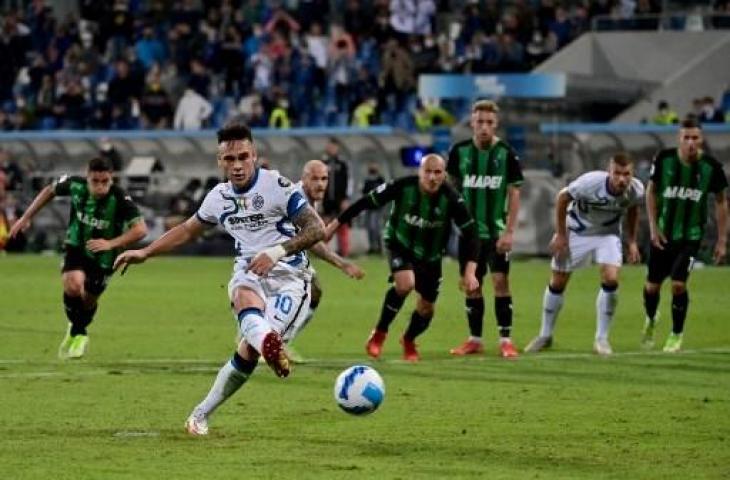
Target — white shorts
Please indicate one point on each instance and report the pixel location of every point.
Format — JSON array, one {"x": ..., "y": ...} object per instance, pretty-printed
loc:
[
  {"x": 285, "y": 292},
  {"x": 582, "y": 249}
]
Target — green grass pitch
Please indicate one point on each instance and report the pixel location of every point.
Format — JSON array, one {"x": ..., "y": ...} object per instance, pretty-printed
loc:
[{"x": 164, "y": 329}]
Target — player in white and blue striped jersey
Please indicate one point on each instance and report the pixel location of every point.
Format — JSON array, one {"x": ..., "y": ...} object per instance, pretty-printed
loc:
[
  {"x": 271, "y": 223},
  {"x": 313, "y": 186},
  {"x": 588, "y": 217}
]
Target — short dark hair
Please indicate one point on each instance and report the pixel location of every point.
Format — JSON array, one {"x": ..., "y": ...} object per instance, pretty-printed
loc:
[
  {"x": 100, "y": 164},
  {"x": 234, "y": 131},
  {"x": 690, "y": 122},
  {"x": 623, "y": 159}
]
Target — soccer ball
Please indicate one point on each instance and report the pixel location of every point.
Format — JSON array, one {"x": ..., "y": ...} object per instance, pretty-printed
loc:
[{"x": 359, "y": 390}]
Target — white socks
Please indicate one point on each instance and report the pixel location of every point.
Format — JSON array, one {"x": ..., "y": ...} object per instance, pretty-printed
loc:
[
  {"x": 228, "y": 381},
  {"x": 551, "y": 305},
  {"x": 605, "y": 307}
]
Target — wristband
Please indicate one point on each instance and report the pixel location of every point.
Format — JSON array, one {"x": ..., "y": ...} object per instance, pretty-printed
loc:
[{"x": 275, "y": 253}]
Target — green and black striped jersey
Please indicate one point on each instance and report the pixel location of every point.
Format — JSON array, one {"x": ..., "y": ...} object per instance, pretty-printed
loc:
[
  {"x": 681, "y": 191},
  {"x": 482, "y": 177},
  {"x": 418, "y": 223},
  {"x": 106, "y": 217}
]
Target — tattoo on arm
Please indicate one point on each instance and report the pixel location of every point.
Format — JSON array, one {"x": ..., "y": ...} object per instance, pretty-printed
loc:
[{"x": 311, "y": 231}]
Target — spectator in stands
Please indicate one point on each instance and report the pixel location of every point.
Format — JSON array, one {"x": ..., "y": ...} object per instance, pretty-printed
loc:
[
  {"x": 192, "y": 111},
  {"x": 108, "y": 151},
  {"x": 44, "y": 102},
  {"x": 697, "y": 104},
  {"x": 181, "y": 208},
  {"x": 124, "y": 88},
  {"x": 155, "y": 106},
  {"x": 71, "y": 109},
  {"x": 149, "y": 49},
  {"x": 336, "y": 199},
  {"x": 280, "y": 114},
  {"x": 341, "y": 72},
  {"x": 665, "y": 115},
  {"x": 9, "y": 214},
  {"x": 710, "y": 113},
  {"x": 397, "y": 80},
  {"x": 561, "y": 26},
  {"x": 364, "y": 114},
  {"x": 408, "y": 17},
  {"x": 14, "y": 43},
  {"x": 13, "y": 175},
  {"x": 513, "y": 54},
  {"x": 430, "y": 114},
  {"x": 373, "y": 218},
  {"x": 251, "y": 111},
  {"x": 199, "y": 77},
  {"x": 232, "y": 62}
]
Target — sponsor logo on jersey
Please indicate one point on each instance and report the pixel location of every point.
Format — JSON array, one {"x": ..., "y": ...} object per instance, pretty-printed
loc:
[
  {"x": 419, "y": 222},
  {"x": 92, "y": 221},
  {"x": 257, "y": 202},
  {"x": 492, "y": 182},
  {"x": 683, "y": 193},
  {"x": 249, "y": 222}
]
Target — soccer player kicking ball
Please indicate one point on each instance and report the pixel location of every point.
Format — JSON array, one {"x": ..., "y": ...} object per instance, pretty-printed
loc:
[
  {"x": 676, "y": 204},
  {"x": 313, "y": 186},
  {"x": 416, "y": 235},
  {"x": 269, "y": 288},
  {"x": 103, "y": 220},
  {"x": 588, "y": 218}
]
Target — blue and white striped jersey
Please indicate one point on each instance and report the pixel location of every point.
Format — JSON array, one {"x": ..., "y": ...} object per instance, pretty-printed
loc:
[
  {"x": 594, "y": 211},
  {"x": 257, "y": 217}
]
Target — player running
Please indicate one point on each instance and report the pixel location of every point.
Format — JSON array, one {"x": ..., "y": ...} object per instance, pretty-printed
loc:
[
  {"x": 416, "y": 235},
  {"x": 103, "y": 220}
]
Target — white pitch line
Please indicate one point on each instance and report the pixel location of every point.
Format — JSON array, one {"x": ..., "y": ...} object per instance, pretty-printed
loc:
[{"x": 198, "y": 364}]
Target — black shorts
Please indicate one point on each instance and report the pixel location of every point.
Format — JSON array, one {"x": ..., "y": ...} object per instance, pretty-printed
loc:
[
  {"x": 489, "y": 259},
  {"x": 96, "y": 277},
  {"x": 675, "y": 261},
  {"x": 427, "y": 274}
]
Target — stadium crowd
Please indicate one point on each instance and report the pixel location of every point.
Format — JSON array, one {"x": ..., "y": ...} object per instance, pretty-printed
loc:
[{"x": 129, "y": 64}]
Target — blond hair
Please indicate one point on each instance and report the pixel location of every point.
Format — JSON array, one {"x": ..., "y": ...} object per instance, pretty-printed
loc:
[{"x": 484, "y": 106}]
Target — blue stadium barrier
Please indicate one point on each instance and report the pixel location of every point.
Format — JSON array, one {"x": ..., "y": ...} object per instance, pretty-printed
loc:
[
  {"x": 554, "y": 128},
  {"x": 157, "y": 134}
]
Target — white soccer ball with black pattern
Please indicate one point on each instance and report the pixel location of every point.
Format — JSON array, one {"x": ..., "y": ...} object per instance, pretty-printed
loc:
[{"x": 359, "y": 390}]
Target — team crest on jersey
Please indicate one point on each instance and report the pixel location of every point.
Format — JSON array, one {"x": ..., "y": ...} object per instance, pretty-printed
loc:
[
  {"x": 284, "y": 182},
  {"x": 257, "y": 202}
]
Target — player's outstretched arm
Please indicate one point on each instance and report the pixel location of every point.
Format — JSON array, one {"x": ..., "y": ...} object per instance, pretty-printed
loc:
[
  {"x": 311, "y": 231},
  {"x": 40, "y": 201},
  {"x": 321, "y": 250},
  {"x": 173, "y": 238},
  {"x": 134, "y": 234},
  {"x": 372, "y": 200},
  {"x": 721, "y": 219}
]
